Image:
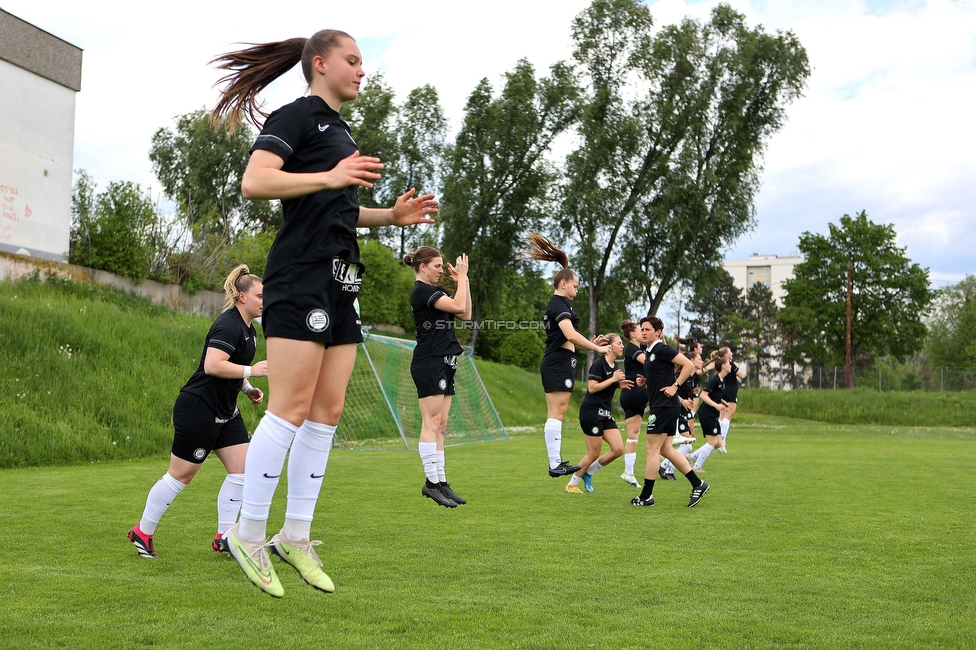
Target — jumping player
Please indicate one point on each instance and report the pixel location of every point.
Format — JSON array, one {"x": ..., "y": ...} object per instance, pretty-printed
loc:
[
  {"x": 435, "y": 360},
  {"x": 662, "y": 423},
  {"x": 562, "y": 338},
  {"x": 206, "y": 417},
  {"x": 306, "y": 157},
  {"x": 633, "y": 401},
  {"x": 595, "y": 416},
  {"x": 712, "y": 412}
]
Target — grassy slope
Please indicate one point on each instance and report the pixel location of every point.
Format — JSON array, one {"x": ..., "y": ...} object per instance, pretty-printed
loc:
[{"x": 812, "y": 536}]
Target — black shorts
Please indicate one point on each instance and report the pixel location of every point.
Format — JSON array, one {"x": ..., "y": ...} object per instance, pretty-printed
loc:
[
  {"x": 633, "y": 401},
  {"x": 709, "y": 423},
  {"x": 558, "y": 371},
  {"x": 314, "y": 302},
  {"x": 732, "y": 396},
  {"x": 664, "y": 420},
  {"x": 684, "y": 422},
  {"x": 434, "y": 375},
  {"x": 198, "y": 431},
  {"x": 595, "y": 421}
]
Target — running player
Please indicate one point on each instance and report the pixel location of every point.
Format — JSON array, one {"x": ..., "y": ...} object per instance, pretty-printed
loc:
[
  {"x": 731, "y": 395},
  {"x": 205, "y": 416},
  {"x": 633, "y": 401},
  {"x": 687, "y": 395},
  {"x": 595, "y": 416},
  {"x": 306, "y": 157},
  {"x": 662, "y": 423},
  {"x": 562, "y": 338},
  {"x": 435, "y": 360},
  {"x": 712, "y": 412}
]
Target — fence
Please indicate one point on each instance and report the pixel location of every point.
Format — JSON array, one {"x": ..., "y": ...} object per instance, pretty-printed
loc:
[{"x": 890, "y": 378}]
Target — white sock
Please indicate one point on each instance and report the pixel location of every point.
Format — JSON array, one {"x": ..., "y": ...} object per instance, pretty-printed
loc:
[
  {"x": 574, "y": 480},
  {"x": 229, "y": 501},
  {"x": 307, "y": 462},
  {"x": 441, "y": 471},
  {"x": 693, "y": 455},
  {"x": 296, "y": 529},
  {"x": 428, "y": 456},
  {"x": 685, "y": 449},
  {"x": 629, "y": 461},
  {"x": 667, "y": 466},
  {"x": 554, "y": 435},
  {"x": 594, "y": 467},
  {"x": 160, "y": 496},
  {"x": 265, "y": 460},
  {"x": 703, "y": 453},
  {"x": 724, "y": 428}
]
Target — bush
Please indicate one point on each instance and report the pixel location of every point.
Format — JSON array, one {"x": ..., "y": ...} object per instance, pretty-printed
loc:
[
  {"x": 385, "y": 294},
  {"x": 522, "y": 348}
]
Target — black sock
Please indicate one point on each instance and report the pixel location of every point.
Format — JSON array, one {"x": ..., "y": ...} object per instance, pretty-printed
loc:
[
  {"x": 647, "y": 490},
  {"x": 431, "y": 485},
  {"x": 695, "y": 481}
]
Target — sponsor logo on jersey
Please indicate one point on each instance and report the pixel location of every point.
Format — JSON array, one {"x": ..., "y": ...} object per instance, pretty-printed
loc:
[
  {"x": 603, "y": 413},
  {"x": 573, "y": 361},
  {"x": 200, "y": 453},
  {"x": 317, "y": 320},
  {"x": 442, "y": 384},
  {"x": 569, "y": 383},
  {"x": 323, "y": 127},
  {"x": 346, "y": 274},
  {"x": 451, "y": 360}
]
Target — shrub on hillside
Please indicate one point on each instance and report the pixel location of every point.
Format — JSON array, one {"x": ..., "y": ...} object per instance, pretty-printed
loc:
[{"x": 522, "y": 348}]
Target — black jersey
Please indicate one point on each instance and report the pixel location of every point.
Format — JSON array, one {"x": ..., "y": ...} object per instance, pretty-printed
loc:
[
  {"x": 558, "y": 309},
  {"x": 311, "y": 137},
  {"x": 228, "y": 334},
  {"x": 633, "y": 367},
  {"x": 659, "y": 373},
  {"x": 687, "y": 389},
  {"x": 732, "y": 379},
  {"x": 715, "y": 389},
  {"x": 435, "y": 328},
  {"x": 600, "y": 371}
]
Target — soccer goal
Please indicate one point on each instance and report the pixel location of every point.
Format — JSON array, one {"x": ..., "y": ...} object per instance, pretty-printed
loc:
[{"x": 381, "y": 402}]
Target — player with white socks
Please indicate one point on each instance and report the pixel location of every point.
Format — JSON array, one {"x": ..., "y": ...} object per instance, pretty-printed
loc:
[
  {"x": 562, "y": 338},
  {"x": 205, "y": 416},
  {"x": 435, "y": 360},
  {"x": 711, "y": 412},
  {"x": 687, "y": 393},
  {"x": 306, "y": 157},
  {"x": 731, "y": 394},
  {"x": 595, "y": 416},
  {"x": 633, "y": 401}
]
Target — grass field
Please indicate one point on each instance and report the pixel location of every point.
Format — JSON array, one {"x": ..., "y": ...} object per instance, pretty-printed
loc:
[{"x": 813, "y": 536}]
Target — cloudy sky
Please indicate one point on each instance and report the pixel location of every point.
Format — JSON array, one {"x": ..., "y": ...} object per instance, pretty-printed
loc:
[{"x": 886, "y": 124}]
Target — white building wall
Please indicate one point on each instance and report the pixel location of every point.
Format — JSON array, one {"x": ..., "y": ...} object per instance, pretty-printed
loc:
[{"x": 37, "y": 123}]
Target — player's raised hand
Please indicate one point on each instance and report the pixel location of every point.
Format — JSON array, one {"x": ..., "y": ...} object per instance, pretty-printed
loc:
[
  {"x": 410, "y": 210},
  {"x": 354, "y": 170}
]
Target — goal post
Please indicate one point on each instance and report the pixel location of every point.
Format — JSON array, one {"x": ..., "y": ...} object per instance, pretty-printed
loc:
[{"x": 382, "y": 410}]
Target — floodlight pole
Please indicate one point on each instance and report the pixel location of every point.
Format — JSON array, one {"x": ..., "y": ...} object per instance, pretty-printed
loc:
[{"x": 847, "y": 351}]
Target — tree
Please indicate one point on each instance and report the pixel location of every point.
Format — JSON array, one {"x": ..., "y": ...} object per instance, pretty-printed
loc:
[
  {"x": 498, "y": 180},
  {"x": 950, "y": 341},
  {"x": 759, "y": 336},
  {"x": 671, "y": 137},
  {"x": 115, "y": 230},
  {"x": 200, "y": 166},
  {"x": 890, "y": 295},
  {"x": 371, "y": 121},
  {"x": 718, "y": 307}
]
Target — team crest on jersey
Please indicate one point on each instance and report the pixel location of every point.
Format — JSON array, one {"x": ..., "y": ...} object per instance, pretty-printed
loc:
[
  {"x": 569, "y": 383},
  {"x": 442, "y": 384},
  {"x": 573, "y": 361},
  {"x": 317, "y": 320},
  {"x": 652, "y": 357},
  {"x": 199, "y": 453}
]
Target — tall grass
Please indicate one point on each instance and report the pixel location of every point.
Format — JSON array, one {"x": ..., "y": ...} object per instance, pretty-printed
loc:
[{"x": 865, "y": 406}]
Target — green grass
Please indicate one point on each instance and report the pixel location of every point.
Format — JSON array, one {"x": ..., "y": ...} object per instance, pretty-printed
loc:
[
  {"x": 865, "y": 406},
  {"x": 813, "y": 536}
]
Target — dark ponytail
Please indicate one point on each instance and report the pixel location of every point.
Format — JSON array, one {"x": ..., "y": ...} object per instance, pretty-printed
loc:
[
  {"x": 253, "y": 69},
  {"x": 543, "y": 250}
]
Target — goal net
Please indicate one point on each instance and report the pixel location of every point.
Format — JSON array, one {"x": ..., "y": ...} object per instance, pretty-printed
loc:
[{"x": 382, "y": 409}]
